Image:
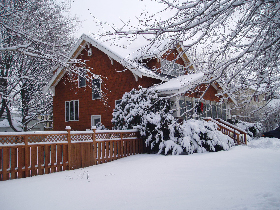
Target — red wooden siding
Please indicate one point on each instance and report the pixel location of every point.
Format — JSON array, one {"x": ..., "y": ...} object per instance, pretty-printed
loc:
[{"x": 116, "y": 81}]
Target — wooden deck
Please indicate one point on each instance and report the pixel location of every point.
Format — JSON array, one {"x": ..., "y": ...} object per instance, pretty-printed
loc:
[{"x": 37, "y": 153}]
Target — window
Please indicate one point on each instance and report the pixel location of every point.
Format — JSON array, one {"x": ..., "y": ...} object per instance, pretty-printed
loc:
[
  {"x": 71, "y": 110},
  {"x": 82, "y": 78},
  {"x": 95, "y": 119},
  {"x": 96, "y": 89},
  {"x": 89, "y": 52}
]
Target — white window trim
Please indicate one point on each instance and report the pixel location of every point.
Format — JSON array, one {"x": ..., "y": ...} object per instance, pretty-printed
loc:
[
  {"x": 74, "y": 111},
  {"x": 94, "y": 116}
]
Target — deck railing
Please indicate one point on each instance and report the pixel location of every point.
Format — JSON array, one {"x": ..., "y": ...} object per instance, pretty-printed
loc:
[
  {"x": 238, "y": 135},
  {"x": 25, "y": 154}
]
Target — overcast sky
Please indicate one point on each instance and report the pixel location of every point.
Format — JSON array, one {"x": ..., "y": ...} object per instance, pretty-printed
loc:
[{"x": 111, "y": 11}]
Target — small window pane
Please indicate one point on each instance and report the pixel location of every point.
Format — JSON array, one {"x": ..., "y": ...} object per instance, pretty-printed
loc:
[
  {"x": 97, "y": 120},
  {"x": 67, "y": 111},
  {"x": 71, "y": 110},
  {"x": 96, "y": 88},
  {"x": 182, "y": 107},
  {"x": 224, "y": 114},
  {"x": 82, "y": 78},
  {"x": 189, "y": 106},
  {"x": 76, "y": 110},
  {"x": 214, "y": 111},
  {"x": 208, "y": 110},
  {"x": 219, "y": 111}
]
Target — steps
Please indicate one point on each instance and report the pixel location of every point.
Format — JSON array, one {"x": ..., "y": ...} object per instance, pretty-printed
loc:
[{"x": 237, "y": 134}]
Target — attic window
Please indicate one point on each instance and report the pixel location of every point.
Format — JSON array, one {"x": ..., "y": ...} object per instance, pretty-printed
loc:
[
  {"x": 89, "y": 52},
  {"x": 171, "y": 68}
]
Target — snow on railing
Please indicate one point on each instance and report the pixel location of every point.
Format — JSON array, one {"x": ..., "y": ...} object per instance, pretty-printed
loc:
[
  {"x": 231, "y": 125},
  {"x": 230, "y": 130}
]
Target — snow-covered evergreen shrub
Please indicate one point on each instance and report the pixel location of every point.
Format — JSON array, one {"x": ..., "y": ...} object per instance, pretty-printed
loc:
[
  {"x": 197, "y": 136},
  {"x": 148, "y": 112},
  {"x": 151, "y": 115},
  {"x": 100, "y": 126}
]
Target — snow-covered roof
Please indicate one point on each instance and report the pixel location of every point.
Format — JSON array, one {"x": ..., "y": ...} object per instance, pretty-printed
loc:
[
  {"x": 180, "y": 84},
  {"x": 184, "y": 83},
  {"x": 122, "y": 55}
]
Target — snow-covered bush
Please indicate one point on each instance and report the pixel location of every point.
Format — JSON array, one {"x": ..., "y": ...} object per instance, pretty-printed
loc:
[
  {"x": 100, "y": 126},
  {"x": 148, "y": 112},
  {"x": 253, "y": 129},
  {"x": 197, "y": 136},
  {"x": 151, "y": 115}
]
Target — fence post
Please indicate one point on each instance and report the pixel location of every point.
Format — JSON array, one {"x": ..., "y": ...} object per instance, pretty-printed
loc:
[
  {"x": 26, "y": 156},
  {"x": 245, "y": 138},
  {"x": 93, "y": 128},
  {"x": 122, "y": 155},
  {"x": 68, "y": 129}
]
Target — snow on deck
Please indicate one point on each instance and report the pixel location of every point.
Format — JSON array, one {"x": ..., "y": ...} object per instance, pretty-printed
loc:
[{"x": 245, "y": 177}]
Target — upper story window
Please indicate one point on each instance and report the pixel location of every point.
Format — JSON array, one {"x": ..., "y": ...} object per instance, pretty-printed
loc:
[
  {"x": 82, "y": 78},
  {"x": 72, "y": 110},
  {"x": 89, "y": 52},
  {"x": 96, "y": 88},
  {"x": 172, "y": 68}
]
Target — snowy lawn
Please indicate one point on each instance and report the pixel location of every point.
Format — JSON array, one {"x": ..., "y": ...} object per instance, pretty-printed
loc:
[{"x": 245, "y": 177}]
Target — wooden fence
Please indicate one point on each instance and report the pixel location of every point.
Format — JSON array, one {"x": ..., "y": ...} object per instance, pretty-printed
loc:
[
  {"x": 36, "y": 153},
  {"x": 238, "y": 135}
]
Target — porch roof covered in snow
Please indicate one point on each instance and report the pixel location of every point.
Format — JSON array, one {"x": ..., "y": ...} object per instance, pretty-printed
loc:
[{"x": 182, "y": 84}]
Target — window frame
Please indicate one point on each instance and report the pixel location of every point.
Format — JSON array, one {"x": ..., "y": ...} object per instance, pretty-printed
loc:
[
  {"x": 92, "y": 117},
  {"x": 76, "y": 111}
]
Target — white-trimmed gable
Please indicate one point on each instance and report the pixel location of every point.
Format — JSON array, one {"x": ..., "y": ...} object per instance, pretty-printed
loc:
[{"x": 136, "y": 68}]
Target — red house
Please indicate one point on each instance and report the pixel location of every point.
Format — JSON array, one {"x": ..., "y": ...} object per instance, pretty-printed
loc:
[{"x": 81, "y": 103}]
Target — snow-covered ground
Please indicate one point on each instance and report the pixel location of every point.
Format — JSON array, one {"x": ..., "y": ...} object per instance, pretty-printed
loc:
[{"x": 245, "y": 177}]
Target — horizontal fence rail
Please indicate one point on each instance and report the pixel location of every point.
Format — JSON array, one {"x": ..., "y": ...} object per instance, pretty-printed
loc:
[
  {"x": 238, "y": 135},
  {"x": 27, "y": 154}
]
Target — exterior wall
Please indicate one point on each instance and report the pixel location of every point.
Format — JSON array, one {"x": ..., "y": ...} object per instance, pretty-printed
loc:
[
  {"x": 210, "y": 95},
  {"x": 172, "y": 55},
  {"x": 116, "y": 80}
]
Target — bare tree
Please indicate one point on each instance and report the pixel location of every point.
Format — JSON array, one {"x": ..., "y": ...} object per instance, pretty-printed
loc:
[
  {"x": 35, "y": 37},
  {"x": 239, "y": 39}
]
